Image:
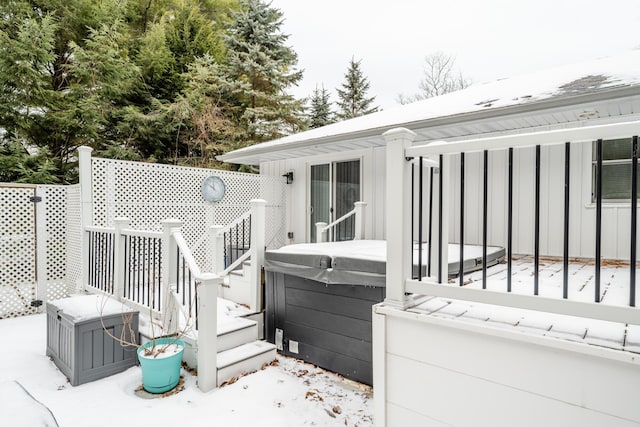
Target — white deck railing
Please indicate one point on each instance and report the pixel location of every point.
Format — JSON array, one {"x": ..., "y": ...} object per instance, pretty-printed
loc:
[
  {"x": 324, "y": 230},
  {"x": 401, "y": 152},
  {"x": 156, "y": 272}
]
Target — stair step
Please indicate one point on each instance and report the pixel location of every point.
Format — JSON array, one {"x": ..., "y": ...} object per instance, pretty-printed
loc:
[
  {"x": 243, "y": 359},
  {"x": 236, "y": 332},
  {"x": 236, "y": 273}
]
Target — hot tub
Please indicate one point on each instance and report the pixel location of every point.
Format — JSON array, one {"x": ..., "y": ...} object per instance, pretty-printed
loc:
[{"x": 318, "y": 299}]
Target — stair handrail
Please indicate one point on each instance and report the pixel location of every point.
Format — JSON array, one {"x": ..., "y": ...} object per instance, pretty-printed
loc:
[
  {"x": 358, "y": 210},
  {"x": 254, "y": 250},
  {"x": 205, "y": 294}
]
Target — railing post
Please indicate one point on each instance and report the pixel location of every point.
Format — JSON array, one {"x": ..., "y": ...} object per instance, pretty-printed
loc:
[
  {"x": 86, "y": 206},
  {"x": 119, "y": 262},
  {"x": 170, "y": 313},
  {"x": 398, "y": 216},
  {"x": 216, "y": 248},
  {"x": 360, "y": 220},
  {"x": 321, "y": 234},
  {"x": 207, "y": 332},
  {"x": 258, "y": 231}
]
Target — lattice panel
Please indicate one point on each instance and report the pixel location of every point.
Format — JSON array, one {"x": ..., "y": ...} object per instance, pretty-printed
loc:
[
  {"x": 55, "y": 223},
  {"x": 148, "y": 193},
  {"x": 74, "y": 240},
  {"x": 17, "y": 251}
]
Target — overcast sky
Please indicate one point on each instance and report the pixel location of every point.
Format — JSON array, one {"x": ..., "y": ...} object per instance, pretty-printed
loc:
[{"x": 490, "y": 39}]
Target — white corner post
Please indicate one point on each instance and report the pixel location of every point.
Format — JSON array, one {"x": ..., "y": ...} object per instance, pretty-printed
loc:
[
  {"x": 207, "y": 332},
  {"x": 86, "y": 207},
  {"x": 321, "y": 233},
  {"x": 398, "y": 216},
  {"x": 170, "y": 312},
  {"x": 119, "y": 224},
  {"x": 360, "y": 208},
  {"x": 258, "y": 232}
]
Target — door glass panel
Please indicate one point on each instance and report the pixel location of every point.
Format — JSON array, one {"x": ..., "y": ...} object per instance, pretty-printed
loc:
[
  {"x": 320, "y": 196},
  {"x": 347, "y": 192}
]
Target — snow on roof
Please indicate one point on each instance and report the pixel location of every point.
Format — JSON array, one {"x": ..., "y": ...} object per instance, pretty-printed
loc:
[{"x": 571, "y": 80}]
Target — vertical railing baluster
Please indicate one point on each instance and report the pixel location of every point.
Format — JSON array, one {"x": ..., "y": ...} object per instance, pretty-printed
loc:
[
  {"x": 184, "y": 296},
  {"x": 92, "y": 263},
  {"x": 159, "y": 282},
  {"x": 236, "y": 248},
  {"x": 634, "y": 223},
  {"x": 598, "y": 217},
  {"x": 143, "y": 254},
  {"x": 440, "y": 185},
  {"x": 413, "y": 215},
  {"x": 113, "y": 263},
  {"x": 154, "y": 300},
  {"x": 103, "y": 258},
  {"x": 420, "y": 189},
  {"x": 189, "y": 283},
  {"x": 127, "y": 268},
  {"x": 565, "y": 258},
  {"x": 224, "y": 241},
  {"x": 536, "y": 233},
  {"x": 243, "y": 240},
  {"x": 485, "y": 202},
  {"x": 430, "y": 225},
  {"x": 461, "y": 259},
  {"x": 510, "y": 219}
]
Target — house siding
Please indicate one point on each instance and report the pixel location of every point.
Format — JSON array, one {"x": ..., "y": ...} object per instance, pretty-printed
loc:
[{"x": 615, "y": 217}]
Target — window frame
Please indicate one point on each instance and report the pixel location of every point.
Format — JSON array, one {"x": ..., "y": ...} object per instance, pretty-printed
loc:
[{"x": 612, "y": 162}]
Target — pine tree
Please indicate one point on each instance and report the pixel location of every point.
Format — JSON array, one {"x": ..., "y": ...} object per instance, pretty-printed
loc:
[
  {"x": 320, "y": 114},
  {"x": 263, "y": 69},
  {"x": 353, "y": 101}
]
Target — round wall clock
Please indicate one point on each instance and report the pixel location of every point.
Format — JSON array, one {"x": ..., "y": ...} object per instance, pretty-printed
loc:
[{"x": 213, "y": 189}]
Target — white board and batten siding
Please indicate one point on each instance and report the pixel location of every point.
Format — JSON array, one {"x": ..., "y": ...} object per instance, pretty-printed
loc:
[
  {"x": 438, "y": 372},
  {"x": 372, "y": 171},
  {"x": 616, "y": 217}
]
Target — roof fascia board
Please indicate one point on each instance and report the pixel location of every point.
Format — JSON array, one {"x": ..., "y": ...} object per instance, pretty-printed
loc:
[{"x": 254, "y": 155}]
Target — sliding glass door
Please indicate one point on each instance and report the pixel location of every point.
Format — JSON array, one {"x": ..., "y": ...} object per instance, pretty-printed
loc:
[{"x": 334, "y": 188}]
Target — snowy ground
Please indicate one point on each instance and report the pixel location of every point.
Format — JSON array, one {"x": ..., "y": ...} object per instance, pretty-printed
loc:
[{"x": 289, "y": 394}]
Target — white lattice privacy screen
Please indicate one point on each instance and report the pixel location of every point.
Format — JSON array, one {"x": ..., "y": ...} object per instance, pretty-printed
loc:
[
  {"x": 34, "y": 238},
  {"x": 148, "y": 193},
  {"x": 74, "y": 240}
]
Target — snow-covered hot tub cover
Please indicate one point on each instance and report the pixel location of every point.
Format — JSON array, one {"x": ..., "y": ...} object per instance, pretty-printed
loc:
[
  {"x": 362, "y": 262},
  {"x": 352, "y": 262}
]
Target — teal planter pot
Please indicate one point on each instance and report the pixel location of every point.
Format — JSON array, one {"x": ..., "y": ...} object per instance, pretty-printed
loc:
[{"x": 161, "y": 374}]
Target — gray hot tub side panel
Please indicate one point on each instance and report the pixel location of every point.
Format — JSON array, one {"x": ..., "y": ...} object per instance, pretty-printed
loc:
[{"x": 330, "y": 324}]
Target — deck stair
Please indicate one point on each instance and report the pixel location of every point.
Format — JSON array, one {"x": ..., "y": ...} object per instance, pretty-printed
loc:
[{"x": 239, "y": 348}]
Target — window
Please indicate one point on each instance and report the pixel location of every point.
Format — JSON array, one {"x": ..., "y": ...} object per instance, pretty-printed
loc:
[{"x": 616, "y": 170}]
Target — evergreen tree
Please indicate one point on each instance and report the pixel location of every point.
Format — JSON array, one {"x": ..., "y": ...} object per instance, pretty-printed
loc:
[
  {"x": 263, "y": 69},
  {"x": 320, "y": 114},
  {"x": 353, "y": 100},
  {"x": 65, "y": 77}
]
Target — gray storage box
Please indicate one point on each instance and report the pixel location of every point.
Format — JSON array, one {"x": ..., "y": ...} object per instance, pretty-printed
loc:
[{"x": 77, "y": 341}]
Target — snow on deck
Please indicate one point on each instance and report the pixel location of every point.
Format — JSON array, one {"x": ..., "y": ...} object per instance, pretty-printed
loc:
[{"x": 614, "y": 289}]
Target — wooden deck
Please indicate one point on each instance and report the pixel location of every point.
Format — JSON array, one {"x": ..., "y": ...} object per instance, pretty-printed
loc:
[{"x": 614, "y": 289}]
